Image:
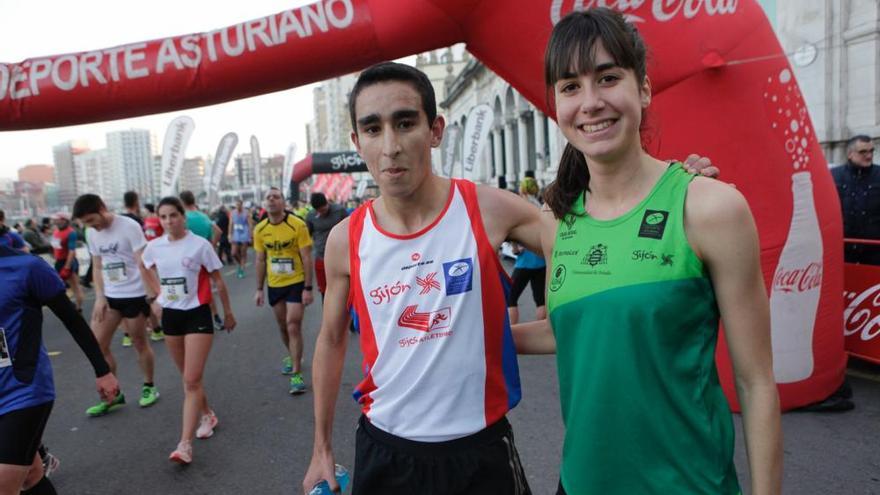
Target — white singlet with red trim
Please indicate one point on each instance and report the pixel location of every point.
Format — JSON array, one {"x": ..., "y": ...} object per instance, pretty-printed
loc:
[
  {"x": 184, "y": 267},
  {"x": 439, "y": 361}
]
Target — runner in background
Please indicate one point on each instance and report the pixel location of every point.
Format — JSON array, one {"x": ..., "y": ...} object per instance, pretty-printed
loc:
[
  {"x": 284, "y": 258},
  {"x": 323, "y": 217},
  {"x": 64, "y": 251},
  {"x": 530, "y": 268},
  {"x": 178, "y": 266},
  {"x": 116, "y": 243},
  {"x": 240, "y": 235},
  {"x": 152, "y": 230}
]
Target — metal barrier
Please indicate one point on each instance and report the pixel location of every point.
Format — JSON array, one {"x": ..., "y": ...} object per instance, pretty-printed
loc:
[{"x": 861, "y": 314}]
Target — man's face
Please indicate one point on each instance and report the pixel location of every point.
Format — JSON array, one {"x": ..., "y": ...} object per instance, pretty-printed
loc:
[
  {"x": 862, "y": 154},
  {"x": 323, "y": 209},
  {"x": 61, "y": 223},
  {"x": 274, "y": 201},
  {"x": 393, "y": 136}
]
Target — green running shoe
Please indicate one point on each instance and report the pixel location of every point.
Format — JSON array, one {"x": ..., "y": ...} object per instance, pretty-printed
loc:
[
  {"x": 286, "y": 366},
  {"x": 103, "y": 408},
  {"x": 126, "y": 341},
  {"x": 157, "y": 336},
  {"x": 149, "y": 396},
  {"x": 297, "y": 384}
]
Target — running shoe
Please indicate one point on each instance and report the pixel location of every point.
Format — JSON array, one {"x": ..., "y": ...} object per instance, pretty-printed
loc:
[
  {"x": 183, "y": 454},
  {"x": 240, "y": 273},
  {"x": 103, "y": 408},
  {"x": 207, "y": 425},
  {"x": 149, "y": 396},
  {"x": 50, "y": 462},
  {"x": 157, "y": 336},
  {"x": 286, "y": 366},
  {"x": 297, "y": 384},
  {"x": 218, "y": 323},
  {"x": 126, "y": 341}
]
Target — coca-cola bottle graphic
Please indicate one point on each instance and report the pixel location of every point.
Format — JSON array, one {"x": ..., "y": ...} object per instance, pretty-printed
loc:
[{"x": 797, "y": 282}]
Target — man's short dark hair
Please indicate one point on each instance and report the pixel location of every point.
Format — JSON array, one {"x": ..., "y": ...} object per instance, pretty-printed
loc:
[
  {"x": 88, "y": 204},
  {"x": 393, "y": 72},
  {"x": 188, "y": 198},
  {"x": 858, "y": 138},
  {"x": 130, "y": 199},
  {"x": 150, "y": 207},
  {"x": 318, "y": 200}
]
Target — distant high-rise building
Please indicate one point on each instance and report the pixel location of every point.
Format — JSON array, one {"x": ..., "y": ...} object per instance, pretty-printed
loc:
[
  {"x": 192, "y": 176},
  {"x": 132, "y": 152},
  {"x": 65, "y": 172},
  {"x": 331, "y": 129},
  {"x": 96, "y": 173},
  {"x": 37, "y": 173}
]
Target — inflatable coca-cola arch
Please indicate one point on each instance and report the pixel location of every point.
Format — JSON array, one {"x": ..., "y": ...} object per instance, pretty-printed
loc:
[{"x": 723, "y": 88}]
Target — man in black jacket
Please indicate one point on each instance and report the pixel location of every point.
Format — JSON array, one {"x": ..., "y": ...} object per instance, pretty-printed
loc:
[{"x": 858, "y": 184}]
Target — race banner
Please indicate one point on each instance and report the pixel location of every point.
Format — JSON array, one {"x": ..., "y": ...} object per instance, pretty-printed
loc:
[
  {"x": 476, "y": 132},
  {"x": 174, "y": 152},
  {"x": 218, "y": 168},
  {"x": 257, "y": 162},
  {"x": 450, "y": 149},
  {"x": 287, "y": 174},
  {"x": 861, "y": 316}
]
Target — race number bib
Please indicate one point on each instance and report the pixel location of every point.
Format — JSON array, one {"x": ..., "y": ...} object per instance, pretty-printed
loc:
[
  {"x": 282, "y": 266},
  {"x": 173, "y": 289},
  {"x": 5, "y": 357},
  {"x": 56, "y": 243},
  {"x": 150, "y": 233},
  {"x": 115, "y": 272},
  {"x": 238, "y": 227}
]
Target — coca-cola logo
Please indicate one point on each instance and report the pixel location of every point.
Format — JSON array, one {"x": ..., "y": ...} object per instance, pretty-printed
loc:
[
  {"x": 862, "y": 315},
  {"x": 661, "y": 10},
  {"x": 798, "y": 279}
]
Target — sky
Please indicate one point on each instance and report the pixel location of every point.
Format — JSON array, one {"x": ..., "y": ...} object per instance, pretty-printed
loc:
[{"x": 31, "y": 29}]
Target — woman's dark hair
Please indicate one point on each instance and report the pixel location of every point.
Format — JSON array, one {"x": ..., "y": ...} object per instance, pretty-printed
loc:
[
  {"x": 572, "y": 50},
  {"x": 171, "y": 201}
]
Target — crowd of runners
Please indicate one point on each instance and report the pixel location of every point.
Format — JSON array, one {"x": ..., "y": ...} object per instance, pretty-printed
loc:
[{"x": 440, "y": 356}]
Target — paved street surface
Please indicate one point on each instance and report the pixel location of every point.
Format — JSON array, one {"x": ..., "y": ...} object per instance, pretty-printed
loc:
[{"x": 263, "y": 442}]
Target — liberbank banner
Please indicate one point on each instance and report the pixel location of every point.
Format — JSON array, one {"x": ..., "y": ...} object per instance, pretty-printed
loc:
[{"x": 722, "y": 86}]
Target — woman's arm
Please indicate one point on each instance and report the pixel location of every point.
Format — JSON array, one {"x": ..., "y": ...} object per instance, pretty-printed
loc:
[{"x": 722, "y": 232}]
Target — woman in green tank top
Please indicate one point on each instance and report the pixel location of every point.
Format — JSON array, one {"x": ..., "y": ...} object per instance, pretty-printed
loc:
[{"x": 645, "y": 261}]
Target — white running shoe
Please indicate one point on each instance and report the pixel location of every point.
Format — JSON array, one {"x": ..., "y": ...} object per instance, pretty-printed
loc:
[
  {"x": 207, "y": 425},
  {"x": 182, "y": 454}
]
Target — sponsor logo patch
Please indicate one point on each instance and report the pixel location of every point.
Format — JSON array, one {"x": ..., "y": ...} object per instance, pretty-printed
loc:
[
  {"x": 428, "y": 283},
  {"x": 459, "y": 275},
  {"x": 653, "y": 224},
  {"x": 597, "y": 255},
  {"x": 424, "y": 321},
  {"x": 558, "y": 278}
]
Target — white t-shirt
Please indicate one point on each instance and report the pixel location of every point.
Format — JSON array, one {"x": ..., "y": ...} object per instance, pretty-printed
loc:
[
  {"x": 184, "y": 266},
  {"x": 116, "y": 246}
]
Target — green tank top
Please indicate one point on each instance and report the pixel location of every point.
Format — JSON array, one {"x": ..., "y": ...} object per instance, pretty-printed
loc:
[{"x": 636, "y": 323}]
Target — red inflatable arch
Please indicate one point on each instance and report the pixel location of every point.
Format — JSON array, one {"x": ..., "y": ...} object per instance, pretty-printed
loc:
[{"x": 723, "y": 88}]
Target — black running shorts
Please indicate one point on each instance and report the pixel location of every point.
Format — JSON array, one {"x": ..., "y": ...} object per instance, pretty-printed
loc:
[
  {"x": 129, "y": 307},
  {"x": 22, "y": 432},
  {"x": 485, "y": 463},
  {"x": 179, "y": 322},
  {"x": 289, "y": 293},
  {"x": 525, "y": 276}
]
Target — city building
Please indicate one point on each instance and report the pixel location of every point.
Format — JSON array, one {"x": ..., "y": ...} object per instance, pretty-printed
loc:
[
  {"x": 132, "y": 152},
  {"x": 96, "y": 173},
  {"x": 37, "y": 173},
  {"x": 834, "y": 48},
  {"x": 192, "y": 176},
  {"x": 65, "y": 173}
]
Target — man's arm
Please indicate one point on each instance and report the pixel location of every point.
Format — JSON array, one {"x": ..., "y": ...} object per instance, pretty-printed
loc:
[
  {"x": 100, "y": 307},
  {"x": 216, "y": 233},
  {"x": 329, "y": 358},
  {"x": 308, "y": 265},
  {"x": 508, "y": 216},
  {"x": 722, "y": 232}
]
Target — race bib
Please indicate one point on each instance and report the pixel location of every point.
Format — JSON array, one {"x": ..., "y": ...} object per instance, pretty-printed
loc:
[
  {"x": 238, "y": 227},
  {"x": 150, "y": 233},
  {"x": 173, "y": 289},
  {"x": 5, "y": 357},
  {"x": 282, "y": 266},
  {"x": 115, "y": 272},
  {"x": 56, "y": 243}
]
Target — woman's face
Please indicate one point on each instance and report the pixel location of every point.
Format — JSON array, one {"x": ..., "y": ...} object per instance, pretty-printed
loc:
[
  {"x": 172, "y": 220},
  {"x": 599, "y": 112}
]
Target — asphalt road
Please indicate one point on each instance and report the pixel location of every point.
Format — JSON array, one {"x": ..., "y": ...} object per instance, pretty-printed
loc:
[{"x": 263, "y": 442}]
